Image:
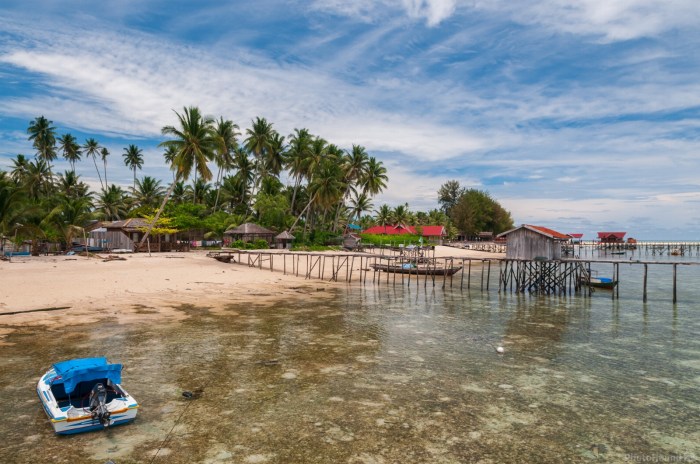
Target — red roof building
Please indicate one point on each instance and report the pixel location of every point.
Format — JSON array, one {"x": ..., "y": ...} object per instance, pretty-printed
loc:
[
  {"x": 401, "y": 229},
  {"x": 611, "y": 237}
]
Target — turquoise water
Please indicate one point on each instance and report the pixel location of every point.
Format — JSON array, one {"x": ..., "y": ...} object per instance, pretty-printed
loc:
[{"x": 386, "y": 374}]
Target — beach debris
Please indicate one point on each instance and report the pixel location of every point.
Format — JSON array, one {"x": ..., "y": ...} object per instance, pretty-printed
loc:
[
  {"x": 500, "y": 350},
  {"x": 268, "y": 362},
  {"x": 193, "y": 395}
]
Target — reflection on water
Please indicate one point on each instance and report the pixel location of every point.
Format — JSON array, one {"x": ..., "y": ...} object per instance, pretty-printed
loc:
[{"x": 381, "y": 375}]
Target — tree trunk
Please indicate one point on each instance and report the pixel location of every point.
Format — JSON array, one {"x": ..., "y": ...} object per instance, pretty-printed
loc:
[
  {"x": 302, "y": 213},
  {"x": 98, "y": 172},
  {"x": 155, "y": 219}
]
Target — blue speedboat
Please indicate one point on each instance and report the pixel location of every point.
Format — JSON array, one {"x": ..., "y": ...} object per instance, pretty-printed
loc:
[{"x": 85, "y": 394}]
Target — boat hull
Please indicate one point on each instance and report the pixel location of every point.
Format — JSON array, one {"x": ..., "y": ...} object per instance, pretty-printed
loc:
[
  {"x": 599, "y": 282},
  {"x": 417, "y": 270},
  {"x": 68, "y": 419}
]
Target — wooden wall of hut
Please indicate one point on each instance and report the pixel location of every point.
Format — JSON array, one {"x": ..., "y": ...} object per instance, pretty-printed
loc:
[{"x": 526, "y": 244}]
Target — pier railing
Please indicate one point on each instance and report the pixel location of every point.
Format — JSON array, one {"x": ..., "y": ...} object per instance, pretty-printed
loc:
[{"x": 542, "y": 277}]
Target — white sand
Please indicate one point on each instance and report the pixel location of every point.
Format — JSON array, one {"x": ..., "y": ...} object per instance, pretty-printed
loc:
[{"x": 144, "y": 287}]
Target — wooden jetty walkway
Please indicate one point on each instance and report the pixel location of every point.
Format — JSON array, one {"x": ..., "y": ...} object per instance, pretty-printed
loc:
[{"x": 542, "y": 277}]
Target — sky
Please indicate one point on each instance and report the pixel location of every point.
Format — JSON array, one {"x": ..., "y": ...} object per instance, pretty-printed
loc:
[{"x": 579, "y": 116}]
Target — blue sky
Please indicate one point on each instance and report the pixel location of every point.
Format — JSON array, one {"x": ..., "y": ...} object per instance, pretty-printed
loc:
[{"x": 580, "y": 116}]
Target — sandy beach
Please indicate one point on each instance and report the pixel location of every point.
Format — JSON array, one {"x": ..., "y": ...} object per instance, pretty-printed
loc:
[{"x": 142, "y": 287}]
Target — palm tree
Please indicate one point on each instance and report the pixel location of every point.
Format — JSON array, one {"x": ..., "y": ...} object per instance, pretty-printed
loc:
[
  {"x": 104, "y": 153},
  {"x": 148, "y": 192},
  {"x": 401, "y": 215},
  {"x": 326, "y": 188},
  {"x": 274, "y": 161},
  {"x": 244, "y": 175},
  {"x": 112, "y": 203},
  {"x": 39, "y": 180},
  {"x": 20, "y": 166},
  {"x": 70, "y": 216},
  {"x": 169, "y": 157},
  {"x": 355, "y": 165},
  {"x": 43, "y": 136},
  {"x": 360, "y": 203},
  {"x": 375, "y": 178},
  {"x": 194, "y": 142},
  {"x": 70, "y": 148},
  {"x": 259, "y": 143},
  {"x": 70, "y": 185},
  {"x": 92, "y": 149},
  {"x": 226, "y": 132},
  {"x": 133, "y": 159},
  {"x": 384, "y": 216},
  {"x": 298, "y": 152}
]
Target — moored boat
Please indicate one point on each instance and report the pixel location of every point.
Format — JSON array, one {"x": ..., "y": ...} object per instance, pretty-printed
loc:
[
  {"x": 599, "y": 282},
  {"x": 85, "y": 394},
  {"x": 416, "y": 269}
]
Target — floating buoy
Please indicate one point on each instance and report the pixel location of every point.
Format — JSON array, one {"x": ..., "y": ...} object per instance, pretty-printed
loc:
[{"x": 500, "y": 350}]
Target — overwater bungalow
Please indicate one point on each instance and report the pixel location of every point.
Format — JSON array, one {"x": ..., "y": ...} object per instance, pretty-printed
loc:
[
  {"x": 534, "y": 242},
  {"x": 611, "y": 237}
]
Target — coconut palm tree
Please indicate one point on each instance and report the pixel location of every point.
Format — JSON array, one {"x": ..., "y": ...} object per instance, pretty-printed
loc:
[
  {"x": 42, "y": 134},
  {"x": 104, "y": 153},
  {"x": 354, "y": 166},
  {"x": 359, "y": 204},
  {"x": 194, "y": 142},
  {"x": 70, "y": 185},
  {"x": 69, "y": 216},
  {"x": 401, "y": 214},
  {"x": 70, "y": 148},
  {"x": 274, "y": 161},
  {"x": 133, "y": 159},
  {"x": 226, "y": 132},
  {"x": 326, "y": 187},
  {"x": 259, "y": 143},
  {"x": 298, "y": 152},
  {"x": 375, "y": 178},
  {"x": 20, "y": 166},
  {"x": 148, "y": 192},
  {"x": 92, "y": 149},
  {"x": 384, "y": 216},
  {"x": 112, "y": 204}
]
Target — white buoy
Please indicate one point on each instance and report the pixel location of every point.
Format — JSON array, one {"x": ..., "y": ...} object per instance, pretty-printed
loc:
[{"x": 500, "y": 350}]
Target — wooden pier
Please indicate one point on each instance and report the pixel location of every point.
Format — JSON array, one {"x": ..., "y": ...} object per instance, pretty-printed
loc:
[{"x": 536, "y": 277}]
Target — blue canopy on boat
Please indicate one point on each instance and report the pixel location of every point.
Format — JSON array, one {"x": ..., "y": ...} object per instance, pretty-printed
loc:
[{"x": 78, "y": 370}]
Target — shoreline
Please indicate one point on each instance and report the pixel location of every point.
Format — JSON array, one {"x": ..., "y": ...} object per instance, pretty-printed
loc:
[{"x": 45, "y": 290}]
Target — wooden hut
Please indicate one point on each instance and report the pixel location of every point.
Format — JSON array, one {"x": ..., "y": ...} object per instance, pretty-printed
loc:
[
  {"x": 351, "y": 241},
  {"x": 127, "y": 234},
  {"x": 284, "y": 240},
  {"x": 250, "y": 232},
  {"x": 533, "y": 242},
  {"x": 611, "y": 237}
]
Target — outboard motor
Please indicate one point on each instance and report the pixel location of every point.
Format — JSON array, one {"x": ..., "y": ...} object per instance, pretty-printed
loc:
[{"x": 98, "y": 404}]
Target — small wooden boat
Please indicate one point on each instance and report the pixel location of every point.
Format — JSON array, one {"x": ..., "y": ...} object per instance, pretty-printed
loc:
[
  {"x": 599, "y": 282},
  {"x": 416, "y": 269},
  {"x": 85, "y": 394}
]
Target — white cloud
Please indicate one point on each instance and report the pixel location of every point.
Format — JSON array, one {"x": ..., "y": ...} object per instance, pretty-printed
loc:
[
  {"x": 432, "y": 11},
  {"x": 608, "y": 20}
]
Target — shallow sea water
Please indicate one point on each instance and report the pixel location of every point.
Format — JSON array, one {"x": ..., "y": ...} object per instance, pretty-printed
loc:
[{"x": 385, "y": 374}]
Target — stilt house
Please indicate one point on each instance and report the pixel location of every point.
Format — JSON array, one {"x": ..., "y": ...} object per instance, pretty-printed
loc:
[{"x": 534, "y": 242}]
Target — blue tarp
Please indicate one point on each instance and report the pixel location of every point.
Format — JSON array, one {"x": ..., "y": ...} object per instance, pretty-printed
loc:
[
  {"x": 78, "y": 370},
  {"x": 354, "y": 227}
]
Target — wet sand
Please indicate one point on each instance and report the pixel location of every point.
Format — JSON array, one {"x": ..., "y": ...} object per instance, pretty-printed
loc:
[{"x": 44, "y": 290}]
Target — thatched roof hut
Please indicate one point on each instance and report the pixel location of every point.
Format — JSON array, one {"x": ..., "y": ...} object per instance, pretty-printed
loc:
[
  {"x": 249, "y": 232},
  {"x": 284, "y": 240}
]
